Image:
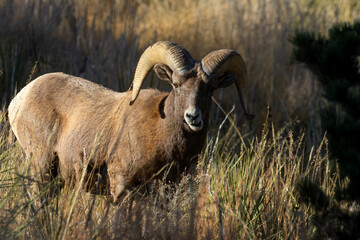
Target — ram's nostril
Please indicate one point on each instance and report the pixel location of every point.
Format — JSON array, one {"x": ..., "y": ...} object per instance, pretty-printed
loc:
[{"x": 191, "y": 116}]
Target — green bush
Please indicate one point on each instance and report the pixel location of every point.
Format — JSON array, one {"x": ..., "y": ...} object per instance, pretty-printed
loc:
[{"x": 334, "y": 59}]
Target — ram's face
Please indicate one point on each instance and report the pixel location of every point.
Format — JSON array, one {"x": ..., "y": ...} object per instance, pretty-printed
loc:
[
  {"x": 193, "y": 81},
  {"x": 193, "y": 97},
  {"x": 193, "y": 93}
]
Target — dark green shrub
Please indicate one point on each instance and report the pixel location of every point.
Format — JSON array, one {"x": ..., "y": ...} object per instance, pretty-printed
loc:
[{"x": 335, "y": 61}]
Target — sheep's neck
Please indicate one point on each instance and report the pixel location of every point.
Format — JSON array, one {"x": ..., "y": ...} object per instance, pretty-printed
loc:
[{"x": 172, "y": 112}]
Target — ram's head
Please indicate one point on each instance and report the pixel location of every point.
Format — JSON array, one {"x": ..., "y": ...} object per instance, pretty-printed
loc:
[{"x": 193, "y": 81}]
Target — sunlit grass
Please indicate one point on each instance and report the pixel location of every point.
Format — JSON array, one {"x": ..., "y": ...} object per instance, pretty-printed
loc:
[
  {"x": 246, "y": 183},
  {"x": 240, "y": 189},
  {"x": 102, "y": 42}
]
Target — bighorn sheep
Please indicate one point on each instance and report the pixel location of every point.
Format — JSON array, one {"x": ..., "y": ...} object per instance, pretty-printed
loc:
[{"x": 57, "y": 116}]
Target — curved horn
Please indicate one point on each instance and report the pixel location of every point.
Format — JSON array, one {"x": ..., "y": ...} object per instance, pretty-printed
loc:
[
  {"x": 227, "y": 60},
  {"x": 165, "y": 52}
]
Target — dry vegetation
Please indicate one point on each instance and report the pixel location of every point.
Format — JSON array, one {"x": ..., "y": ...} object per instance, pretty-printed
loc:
[
  {"x": 238, "y": 190},
  {"x": 244, "y": 186}
]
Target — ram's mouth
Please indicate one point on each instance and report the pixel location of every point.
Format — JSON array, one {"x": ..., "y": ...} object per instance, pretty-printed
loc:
[
  {"x": 193, "y": 119},
  {"x": 196, "y": 126}
]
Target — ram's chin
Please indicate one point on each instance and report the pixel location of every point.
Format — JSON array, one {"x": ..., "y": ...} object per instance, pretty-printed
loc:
[{"x": 196, "y": 126}]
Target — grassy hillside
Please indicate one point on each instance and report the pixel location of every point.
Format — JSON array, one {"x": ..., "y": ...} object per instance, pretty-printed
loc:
[
  {"x": 241, "y": 188},
  {"x": 102, "y": 41},
  {"x": 249, "y": 179}
]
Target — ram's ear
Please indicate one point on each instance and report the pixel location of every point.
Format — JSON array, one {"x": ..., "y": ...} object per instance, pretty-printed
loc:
[
  {"x": 163, "y": 72},
  {"x": 226, "y": 79}
]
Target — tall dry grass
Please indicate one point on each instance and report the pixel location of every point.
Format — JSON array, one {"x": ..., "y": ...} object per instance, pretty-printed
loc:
[
  {"x": 245, "y": 182},
  {"x": 102, "y": 40},
  {"x": 240, "y": 189}
]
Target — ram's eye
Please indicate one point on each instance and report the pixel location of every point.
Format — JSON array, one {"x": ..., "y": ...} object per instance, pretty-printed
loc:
[{"x": 175, "y": 85}]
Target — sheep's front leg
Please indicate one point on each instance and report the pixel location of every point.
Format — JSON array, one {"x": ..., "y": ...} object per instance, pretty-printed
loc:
[{"x": 117, "y": 186}]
